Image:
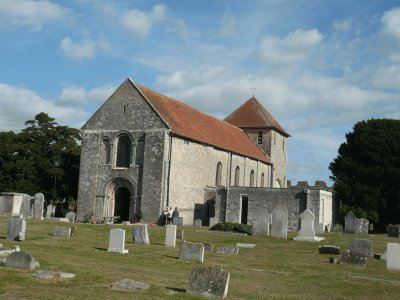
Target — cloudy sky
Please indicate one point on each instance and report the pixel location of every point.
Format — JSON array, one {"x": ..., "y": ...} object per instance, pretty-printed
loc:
[{"x": 318, "y": 66}]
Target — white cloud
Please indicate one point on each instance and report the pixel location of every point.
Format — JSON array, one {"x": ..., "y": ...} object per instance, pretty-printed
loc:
[
  {"x": 387, "y": 77},
  {"x": 228, "y": 25},
  {"x": 29, "y": 13},
  {"x": 20, "y": 104},
  {"x": 342, "y": 26},
  {"x": 77, "y": 51},
  {"x": 295, "y": 47},
  {"x": 391, "y": 22},
  {"x": 139, "y": 23},
  {"x": 78, "y": 96}
]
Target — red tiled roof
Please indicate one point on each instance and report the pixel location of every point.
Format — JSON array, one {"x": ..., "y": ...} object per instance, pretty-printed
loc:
[
  {"x": 252, "y": 114},
  {"x": 188, "y": 122}
]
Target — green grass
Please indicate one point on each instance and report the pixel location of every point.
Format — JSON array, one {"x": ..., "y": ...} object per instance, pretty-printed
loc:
[{"x": 274, "y": 269}]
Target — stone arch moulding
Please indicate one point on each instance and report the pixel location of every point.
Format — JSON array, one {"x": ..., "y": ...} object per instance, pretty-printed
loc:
[{"x": 108, "y": 191}]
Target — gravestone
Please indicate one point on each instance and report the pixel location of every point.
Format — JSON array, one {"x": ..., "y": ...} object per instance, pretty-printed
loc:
[
  {"x": 140, "y": 234},
  {"x": 53, "y": 275},
  {"x": 130, "y": 285},
  {"x": 329, "y": 249},
  {"x": 117, "y": 241},
  {"x": 384, "y": 255},
  {"x": 21, "y": 260},
  {"x": 62, "y": 231},
  {"x": 361, "y": 246},
  {"x": 349, "y": 257},
  {"x": 319, "y": 228},
  {"x": 16, "y": 228},
  {"x": 49, "y": 209},
  {"x": 170, "y": 235},
  {"x": 350, "y": 223},
  {"x": 179, "y": 234},
  {"x": 261, "y": 224},
  {"x": 393, "y": 256},
  {"x": 17, "y": 203},
  {"x": 228, "y": 250},
  {"x": 177, "y": 221},
  {"x": 38, "y": 204},
  {"x": 192, "y": 252},
  {"x": 209, "y": 282},
  {"x": 279, "y": 222},
  {"x": 207, "y": 246},
  {"x": 71, "y": 216},
  {"x": 394, "y": 230},
  {"x": 213, "y": 221},
  {"x": 197, "y": 223},
  {"x": 306, "y": 232},
  {"x": 245, "y": 245},
  {"x": 362, "y": 226}
]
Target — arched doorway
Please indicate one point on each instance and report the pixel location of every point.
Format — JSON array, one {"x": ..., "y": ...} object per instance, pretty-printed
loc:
[{"x": 122, "y": 203}]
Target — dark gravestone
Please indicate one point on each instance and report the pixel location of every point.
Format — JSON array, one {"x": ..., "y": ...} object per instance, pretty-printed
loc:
[
  {"x": 394, "y": 230},
  {"x": 209, "y": 282},
  {"x": 179, "y": 234},
  {"x": 349, "y": 257},
  {"x": 329, "y": 249},
  {"x": 21, "y": 260},
  {"x": 208, "y": 247},
  {"x": 350, "y": 223},
  {"x": 361, "y": 247}
]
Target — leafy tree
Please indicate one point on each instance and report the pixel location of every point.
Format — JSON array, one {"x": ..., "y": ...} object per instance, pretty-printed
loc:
[
  {"x": 367, "y": 171},
  {"x": 42, "y": 157}
]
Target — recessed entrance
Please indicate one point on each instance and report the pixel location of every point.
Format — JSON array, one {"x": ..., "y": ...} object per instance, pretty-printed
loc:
[
  {"x": 122, "y": 203},
  {"x": 244, "y": 209}
]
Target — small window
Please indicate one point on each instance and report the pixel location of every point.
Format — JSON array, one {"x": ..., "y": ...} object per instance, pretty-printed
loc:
[
  {"x": 124, "y": 109},
  {"x": 262, "y": 180},
  {"x": 260, "y": 137},
  {"x": 106, "y": 152},
  {"x": 237, "y": 176},
  {"x": 218, "y": 174},
  {"x": 252, "y": 178}
]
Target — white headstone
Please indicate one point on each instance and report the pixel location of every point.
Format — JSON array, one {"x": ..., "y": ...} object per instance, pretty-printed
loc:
[
  {"x": 49, "y": 209},
  {"x": 117, "y": 241},
  {"x": 306, "y": 232},
  {"x": 393, "y": 256},
  {"x": 17, "y": 202},
  {"x": 38, "y": 206},
  {"x": 279, "y": 222},
  {"x": 170, "y": 235},
  {"x": 261, "y": 223}
]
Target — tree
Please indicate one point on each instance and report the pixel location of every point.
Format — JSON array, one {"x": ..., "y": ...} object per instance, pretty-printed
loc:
[
  {"x": 367, "y": 171},
  {"x": 43, "y": 157}
]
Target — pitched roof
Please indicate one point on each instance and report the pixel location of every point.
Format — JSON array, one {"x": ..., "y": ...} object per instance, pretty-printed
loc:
[
  {"x": 252, "y": 114},
  {"x": 185, "y": 121}
]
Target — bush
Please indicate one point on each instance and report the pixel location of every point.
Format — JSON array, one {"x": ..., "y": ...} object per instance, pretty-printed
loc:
[
  {"x": 236, "y": 227},
  {"x": 337, "y": 228}
]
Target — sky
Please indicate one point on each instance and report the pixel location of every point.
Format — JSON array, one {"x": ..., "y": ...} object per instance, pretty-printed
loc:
[{"x": 317, "y": 66}]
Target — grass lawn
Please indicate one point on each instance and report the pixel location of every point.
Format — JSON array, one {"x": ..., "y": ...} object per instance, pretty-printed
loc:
[{"x": 274, "y": 269}]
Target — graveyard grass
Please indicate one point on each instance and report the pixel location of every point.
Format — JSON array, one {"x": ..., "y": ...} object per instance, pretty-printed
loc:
[{"x": 274, "y": 269}]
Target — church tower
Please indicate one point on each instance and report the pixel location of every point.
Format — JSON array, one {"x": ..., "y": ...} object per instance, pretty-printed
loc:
[{"x": 265, "y": 131}]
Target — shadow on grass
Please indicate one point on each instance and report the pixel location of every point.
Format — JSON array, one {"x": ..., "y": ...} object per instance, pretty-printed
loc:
[
  {"x": 171, "y": 256},
  {"x": 176, "y": 289},
  {"x": 2, "y": 237},
  {"x": 100, "y": 249}
]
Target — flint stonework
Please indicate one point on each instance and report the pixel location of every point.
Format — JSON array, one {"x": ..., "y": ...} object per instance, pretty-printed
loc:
[
  {"x": 361, "y": 247},
  {"x": 140, "y": 234},
  {"x": 209, "y": 282},
  {"x": 349, "y": 257},
  {"x": 192, "y": 252}
]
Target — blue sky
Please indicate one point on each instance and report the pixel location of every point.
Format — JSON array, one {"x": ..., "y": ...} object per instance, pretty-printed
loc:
[{"x": 318, "y": 66}]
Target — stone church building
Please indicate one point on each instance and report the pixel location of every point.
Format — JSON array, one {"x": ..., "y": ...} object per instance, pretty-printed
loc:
[{"x": 142, "y": 151}]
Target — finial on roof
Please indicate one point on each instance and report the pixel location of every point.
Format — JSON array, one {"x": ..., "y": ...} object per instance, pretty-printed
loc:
[{"x": 253, "y": 88}]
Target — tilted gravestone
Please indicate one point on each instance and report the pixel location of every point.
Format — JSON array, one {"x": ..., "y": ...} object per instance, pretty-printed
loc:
[
  {"x": 306, "y": 232},
  {"x": 393, "y": 256},
  {"x": 140, "y": 234},
  {"x": 170, "y": 235},
  {"x": 62, "y": 231},
  {"x": 209, "y": 282},
  {"x": 21, "y": 260},
  {"x": 38, "y": 204},
  {"x": 350, "y": 223},
  {"x": 394, "y": 230},
  {"x": 329, "y": 249},
  {"x": 228, "y": 250},
  {"x": 197, "y": 222},
  {"x": 16, "y": 228},
  {"x": 179, "y": 234},
  {"x": 213, "y": 221},
  {"x": 192, "y": 252},
  {"x": 71, "y": 216},
  {"x": 261, "y": 224},
  {"x": 361, "y": 246},
  {"x": 279, "y": 222},
  {"x": 117, "y": 241}
]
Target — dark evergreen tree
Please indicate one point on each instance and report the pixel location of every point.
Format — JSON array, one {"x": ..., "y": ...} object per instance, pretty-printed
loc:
[{"x": 366, "y": 173}]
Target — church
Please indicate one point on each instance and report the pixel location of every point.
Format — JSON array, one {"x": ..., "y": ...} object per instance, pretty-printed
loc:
[{"x": 144, "y": 151}]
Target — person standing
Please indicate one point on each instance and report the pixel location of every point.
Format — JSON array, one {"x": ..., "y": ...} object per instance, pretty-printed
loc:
[
  {"x": 169, "y": 215},
  {"x": 165, "y": 216}
]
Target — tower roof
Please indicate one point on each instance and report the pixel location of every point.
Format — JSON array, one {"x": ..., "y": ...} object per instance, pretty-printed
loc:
[
  {"x": 185, "y": 121},
  {"x": 252, "y": 114}
]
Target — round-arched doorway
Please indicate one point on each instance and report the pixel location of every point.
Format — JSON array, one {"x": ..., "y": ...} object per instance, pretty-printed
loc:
[{"x": 122, "y": 203}]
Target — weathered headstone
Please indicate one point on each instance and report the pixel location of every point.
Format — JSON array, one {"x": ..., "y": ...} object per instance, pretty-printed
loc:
[
  {"x": 140, "y": 234},
  {"x": 130, "y": 285},
  {"x": 394, "y": 230},
  {"x": 62, "y": 231},
  {"x": 17, "y": 203},
  {"x": 38, "y": 206},
  {"x": 178, "y": 221},
  {"x": 207, "y": 246},
  {"x": 209, "y": 282},
  {"x": 192, "y": 251},
  {"x": 170, "y": 235},
  {"x": 362, "y": 226},
  {"x": 245, "y": 245},
  {"x": 350, "y": 223},
  {"x": 213, "y": 221},
  {"x": 393, "y": 256},
  {"x": 329, "y": 249},
  {"x": 197, "y": 222},
  {"x": 349, "y": 257},
  {"x": 228, "y": 250},
  {"x": 279, "y": 222},
  {"x": 16, "y": 228},
  {"x": 261, "y": 224},
  {"x": 306, "y": 232},
  {"x": 319, "y": 228},
  {"x": 21, "y": 260},
  {"x": 117, "y": 241},
  {"x": 49, "y": 209},
  {"x": 179, "y": 234},
  {"x": 71, "y": 216},
  {"x": 361, "y": 246}
]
